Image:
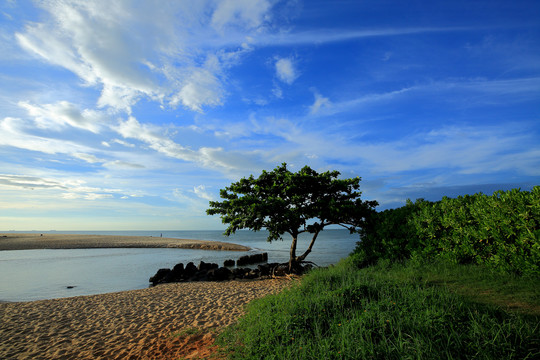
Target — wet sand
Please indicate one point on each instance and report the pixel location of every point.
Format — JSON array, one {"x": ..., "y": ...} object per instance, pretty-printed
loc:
[
  {"x": 168, "y": 321},
  {"x": 16, "y": 241}
]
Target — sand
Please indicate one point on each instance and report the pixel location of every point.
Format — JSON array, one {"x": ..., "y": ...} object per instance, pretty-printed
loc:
[
  {"x": 16, "y": 241},
  {"x": 168, "y": 321}
]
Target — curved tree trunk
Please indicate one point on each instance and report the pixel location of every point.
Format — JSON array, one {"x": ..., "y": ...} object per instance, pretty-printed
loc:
[
  {"x": 294, "y": 261},
  {"x": 306, "y": 253}
]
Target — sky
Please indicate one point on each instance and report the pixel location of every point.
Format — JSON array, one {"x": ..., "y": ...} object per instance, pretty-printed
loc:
[{"x": 132, "y": 115}]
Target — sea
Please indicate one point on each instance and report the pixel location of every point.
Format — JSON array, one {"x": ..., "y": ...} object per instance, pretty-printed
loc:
[{"x": 29, "y": 275}]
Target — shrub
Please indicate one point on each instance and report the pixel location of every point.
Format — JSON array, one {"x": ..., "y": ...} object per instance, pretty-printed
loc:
[{"x": 501, "y": 231}]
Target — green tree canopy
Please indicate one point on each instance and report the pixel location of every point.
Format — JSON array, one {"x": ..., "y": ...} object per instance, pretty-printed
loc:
[{"x": 282, "y": 202}]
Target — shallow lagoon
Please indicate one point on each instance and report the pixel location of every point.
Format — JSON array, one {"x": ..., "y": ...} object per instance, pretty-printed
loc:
[{"x": 45, "y": 274}]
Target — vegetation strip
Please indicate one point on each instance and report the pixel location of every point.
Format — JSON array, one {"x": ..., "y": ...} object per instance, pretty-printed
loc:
[{"x": 385, "y": 312}]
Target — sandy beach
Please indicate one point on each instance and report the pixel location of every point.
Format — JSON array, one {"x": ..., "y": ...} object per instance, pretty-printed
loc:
[
  {"x": 16, "y": 241},
  {"x": 168, "y": 321}
]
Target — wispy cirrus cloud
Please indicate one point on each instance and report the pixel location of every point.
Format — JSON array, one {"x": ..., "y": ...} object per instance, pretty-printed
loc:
[
  {"x": 67, "y": 188},
  {"x": 30, "y": 182},
  {"x": 323, "y": 36},
  {"x": 464, "y": 92},
  {"x": 209, "y": 157},
  {"x": 16, "y": 133}
]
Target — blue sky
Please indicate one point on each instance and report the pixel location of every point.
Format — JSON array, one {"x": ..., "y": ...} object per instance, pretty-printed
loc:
[{"x": 131, "y": 115}]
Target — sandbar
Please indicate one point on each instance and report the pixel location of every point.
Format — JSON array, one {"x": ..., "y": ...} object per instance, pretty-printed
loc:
[
  {"x": 32, "y": 241},
  {"x": 169, "y": 321}
]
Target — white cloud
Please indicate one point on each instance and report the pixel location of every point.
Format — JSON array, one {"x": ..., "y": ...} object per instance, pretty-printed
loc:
[
  {"x": 122, "y": 165},
  {"x": 190, "y": 200},
  {"x": 15, "y": 133},
  {"x": 131, "y": 128},
  {"x": 88, "y": 196},
  {"x": 68, "y": 188},
  {"x": 277, "y": 92},
  {"x": 61, "y": 114},
  {"x": 328, "y": 36},
  {"x": 88, "y": 158},
  {"x": 320, "y": 103},
  {"x": 89, "y": 39},
  {"x": 286, "y": 71},
  {"x": 240, "y": 13},
  {"x": 30, "y": 182},
  {"x": 118, "y": 97},
  {"x": 201, "y": 192},
  {"x": 209, "y": 157},
  {"x": 202, "y": 88},
  {"x": 124, "y": 143},
  {"x": 169, "y": 52}
]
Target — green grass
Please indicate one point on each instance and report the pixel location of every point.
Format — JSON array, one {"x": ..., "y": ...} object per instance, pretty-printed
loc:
[
  {"x": 389, "y": 311},
  {"x": 483, "y": 285}
]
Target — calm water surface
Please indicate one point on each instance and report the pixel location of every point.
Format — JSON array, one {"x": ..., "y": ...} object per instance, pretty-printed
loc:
[{"x": 27, "y": 275}]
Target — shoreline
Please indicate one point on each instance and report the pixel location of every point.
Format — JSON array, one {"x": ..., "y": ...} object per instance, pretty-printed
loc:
[
  {"x": 35, "y": 241},
  {"x": 168, "y": 321}
]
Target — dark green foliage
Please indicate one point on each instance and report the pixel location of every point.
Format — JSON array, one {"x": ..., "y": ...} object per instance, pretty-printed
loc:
[
  {"x": 389, "y": 234},
  {"x": 285, "y": 202},
  {"x": 501, "y": 231}
]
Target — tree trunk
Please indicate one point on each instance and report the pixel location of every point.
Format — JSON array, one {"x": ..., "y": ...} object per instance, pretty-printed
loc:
[
  {"x": 292, "y": 255},
  {"x": 294, "y": 261},
  {"x": 303, "y": 256}
]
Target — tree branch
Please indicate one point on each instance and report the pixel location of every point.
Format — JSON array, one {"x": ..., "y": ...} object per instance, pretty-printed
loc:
[{"x": 306, "y": 253}]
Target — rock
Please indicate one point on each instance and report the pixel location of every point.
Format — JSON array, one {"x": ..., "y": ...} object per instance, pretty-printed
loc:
[
  {"x": 265, "y": 270},
  {"x": 159, "y": 276},
  {"x": 252, "y": 259},
  {"x": 178, "y": 271},
  {"x": 219, "y": 274},
  {"x": 169, "y": 278},
  {"x": 229, "y": 263},
  {"x": 190, "y": 270},
  {"x": 243, "y": 260},
  {"x": 212, "y": 272},
  {"x": 206, "y": 266},
  {"x": 240, "y": 273},
  {"x": 281, "y": 270},
  {"x": 252, "y": 274}
]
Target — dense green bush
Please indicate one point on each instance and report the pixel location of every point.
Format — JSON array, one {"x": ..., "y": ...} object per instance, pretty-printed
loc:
[
  {"x": 501, "y": 231},
  {"x": 389, "y": 235}
]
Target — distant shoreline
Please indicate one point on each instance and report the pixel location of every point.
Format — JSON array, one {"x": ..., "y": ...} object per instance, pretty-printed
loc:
[{"x": 37, "y": 241}]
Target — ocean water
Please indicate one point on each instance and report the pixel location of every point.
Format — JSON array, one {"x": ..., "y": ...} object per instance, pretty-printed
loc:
[{"x": 27, "y": 275}]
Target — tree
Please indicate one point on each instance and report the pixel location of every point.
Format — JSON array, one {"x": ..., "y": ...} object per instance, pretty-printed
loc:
[{"x": 285, "y": 202}]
